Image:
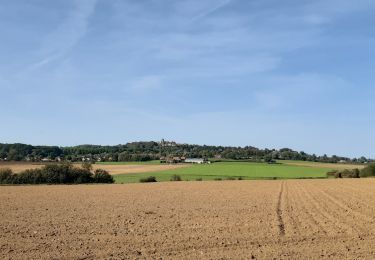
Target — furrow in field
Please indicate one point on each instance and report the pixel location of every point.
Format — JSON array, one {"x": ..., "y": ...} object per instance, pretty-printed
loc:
[
  {"x": 332, "y": 224},
  {"x": 279, "y": 211},
  {"x": 357, "y": 198},
  {"x": 292, "y": 223},
  {"x": 319, "y": 248},
  {"x": 366, "y": 185},
  {"x": 336, "y": 212},
  {"x": 363, "y": 198},
  {"x": 305, "y": 212},
  {"x": 347, "y": 209}
]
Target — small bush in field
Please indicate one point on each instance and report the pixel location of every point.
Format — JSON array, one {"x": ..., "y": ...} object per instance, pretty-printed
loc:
[
  {"x": 218, "y": 179},
  {"x": 176, "y": 177},
  {"x": 199, "y": 179},
  {"x": 102, "y": 176},
  {"x": 231, "y": 178},
  {"x": 148, "y": 179},
  {"x": 240, "y": 178},
  {"x": 369, "y": 171}
]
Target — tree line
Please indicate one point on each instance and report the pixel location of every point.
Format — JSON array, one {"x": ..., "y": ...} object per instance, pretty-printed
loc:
[{"x": 146, "y": 151}]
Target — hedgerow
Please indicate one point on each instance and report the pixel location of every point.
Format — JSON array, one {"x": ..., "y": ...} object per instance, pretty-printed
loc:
[
  {"x": 368, "y": 171},
  {"x": 56, "y": 174}
]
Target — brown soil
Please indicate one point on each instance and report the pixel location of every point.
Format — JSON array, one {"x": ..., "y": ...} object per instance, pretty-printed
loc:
[
  {"x": 20, "y": 166},
  {"x": 294, "y": 219},
  {"x": 112, "y": 169}
]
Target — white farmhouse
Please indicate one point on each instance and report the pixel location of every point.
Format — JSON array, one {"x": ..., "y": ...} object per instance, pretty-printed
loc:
[{"x": 194, "y": 160}]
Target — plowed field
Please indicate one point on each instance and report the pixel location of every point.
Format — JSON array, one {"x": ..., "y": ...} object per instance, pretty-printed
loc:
[{"x": 298, "y": 219}]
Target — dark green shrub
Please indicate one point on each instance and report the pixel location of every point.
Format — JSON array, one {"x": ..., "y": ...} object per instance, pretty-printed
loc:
[
  {"x": 199, "y": 179},
  {"x": 102, "y": 176},
  {"x": 355, "y": 173},
  {"x": 82, "y": 176},
  {"x": 176, "y": 177},
  {"x": 346, "y": 174},
  {"x": 338, "y": 175},
  {"x": 148, "y": 179},
  {"x": 218, "y": 179},
  {"x": 31, "y": 176},
  {"x": 59, "y": 173},
  {"x": 369, "y": 171},
  {"x": 350, "y": 173},
  {"x": 240, "y": 178},
  {"x": 332, "y": 174},
  {"x": 6, "y": 176}
]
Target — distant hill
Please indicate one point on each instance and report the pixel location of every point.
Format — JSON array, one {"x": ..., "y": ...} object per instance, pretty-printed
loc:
[{"x": 145, "y": 151}]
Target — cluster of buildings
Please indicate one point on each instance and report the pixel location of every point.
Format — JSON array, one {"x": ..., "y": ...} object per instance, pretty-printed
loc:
[
  {"x": 165, "y": 145},
  {"x": 183, "y": 160}
]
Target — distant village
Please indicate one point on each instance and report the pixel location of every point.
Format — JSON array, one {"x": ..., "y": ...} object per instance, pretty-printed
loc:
[{"x": 164, "y": 149}]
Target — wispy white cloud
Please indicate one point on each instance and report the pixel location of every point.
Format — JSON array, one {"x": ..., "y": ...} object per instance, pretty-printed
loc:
[
  {"x": 254, "y": 68},
  {"x": 227, "y": 44},
  {"x": 338, "y": 7},
  {"x": 211, "y": 10},
  {"x": 46, "y": 60},
  {"x": 322, "y": 12},
  {"x": 58, "y": 43}
]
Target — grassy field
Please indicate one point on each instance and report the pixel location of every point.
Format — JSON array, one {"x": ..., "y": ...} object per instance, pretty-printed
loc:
[{"x": 225, "y": 170}]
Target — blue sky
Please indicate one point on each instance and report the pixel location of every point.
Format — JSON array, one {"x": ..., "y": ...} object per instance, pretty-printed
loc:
[{"x": 266, "y": 73}]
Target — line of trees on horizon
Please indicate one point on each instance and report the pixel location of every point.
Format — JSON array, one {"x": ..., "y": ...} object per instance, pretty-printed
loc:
[{"x": 146, "y": 151}]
